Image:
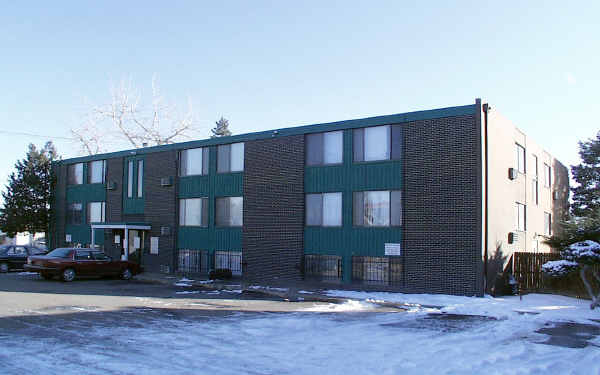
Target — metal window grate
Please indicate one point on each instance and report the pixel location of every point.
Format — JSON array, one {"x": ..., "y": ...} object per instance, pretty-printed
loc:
[
  {"x": 229, "y": 259},
  {"x": 324, "y": 267},
  {"x": 192, "y": 261},
  {"x": 377, "y": 270}
]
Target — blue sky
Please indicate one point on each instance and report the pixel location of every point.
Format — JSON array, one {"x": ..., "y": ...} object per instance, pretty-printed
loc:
[{"x": 268, "y": 64}]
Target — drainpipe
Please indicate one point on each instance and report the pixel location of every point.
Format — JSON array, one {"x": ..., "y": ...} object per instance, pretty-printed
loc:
[{"x": 486, "y": 107}]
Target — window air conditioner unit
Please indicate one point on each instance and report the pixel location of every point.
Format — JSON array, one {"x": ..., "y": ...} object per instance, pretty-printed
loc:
[
  {"x": 111, "y": 185},
  {"x": 165, "y": 231},
  {"x": 166, "y": 181},
  {"x": 513, "y": 173},
  {"x": 512, "y": 237}
]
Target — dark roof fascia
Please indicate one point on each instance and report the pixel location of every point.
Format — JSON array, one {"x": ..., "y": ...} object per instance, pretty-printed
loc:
[{"x": 297, "y": 130}]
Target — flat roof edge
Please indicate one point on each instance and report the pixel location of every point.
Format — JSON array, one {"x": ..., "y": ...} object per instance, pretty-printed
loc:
[{"x": 430, "y": 114}]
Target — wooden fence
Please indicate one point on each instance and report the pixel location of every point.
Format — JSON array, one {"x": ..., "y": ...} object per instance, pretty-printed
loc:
[{"x": 527, "y": 271}]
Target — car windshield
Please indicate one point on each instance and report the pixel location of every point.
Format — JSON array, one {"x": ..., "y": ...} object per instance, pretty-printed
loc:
[
  {"x": 35, "y": 251},
  {"x": 3, "y": 249},
  {"x": 60, "y": 253}
]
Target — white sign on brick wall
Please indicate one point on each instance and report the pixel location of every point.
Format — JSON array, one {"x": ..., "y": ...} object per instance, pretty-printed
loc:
[
  {"x": 392, "y": 249},
  {"x": 153, "y": 245}
]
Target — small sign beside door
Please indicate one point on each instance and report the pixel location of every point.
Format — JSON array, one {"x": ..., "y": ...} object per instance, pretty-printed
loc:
[
  {"x": 68, "y": 238},
  {"x": 392, "y": 249},
  {"x": 153, "y": 245},
  {"x": 117, "y": 239}
]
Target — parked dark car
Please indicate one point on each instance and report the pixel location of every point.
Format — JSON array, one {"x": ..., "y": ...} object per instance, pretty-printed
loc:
[
  {"x": 69, "y": 263},
  {"x": 15, "y": 256}
]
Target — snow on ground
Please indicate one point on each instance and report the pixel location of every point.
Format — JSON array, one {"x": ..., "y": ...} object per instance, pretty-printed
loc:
[
  {"x": 544, "y": 306},
  {"x": 182, "y": 284},
  {"x": 359, "y": 342}
]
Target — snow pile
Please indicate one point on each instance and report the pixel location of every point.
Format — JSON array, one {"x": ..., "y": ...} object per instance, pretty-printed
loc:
[
  {"x": 543, "y": 306},
  {"x": 182, "y": 284},
  {"x": 557, "y": 268},
  {"x": 185, "y": 280},
  {"x": 348, "y": 306},
  {"x": 587, "y": 252}
]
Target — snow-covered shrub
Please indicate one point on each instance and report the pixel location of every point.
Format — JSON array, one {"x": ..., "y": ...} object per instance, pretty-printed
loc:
[
  {"x": 583, "y": 252},
  {"x": 558, "y": 268},
  {"x": 578, "y": 256}
]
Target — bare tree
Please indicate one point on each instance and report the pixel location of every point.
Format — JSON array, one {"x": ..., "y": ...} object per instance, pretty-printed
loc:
[{"x": 126, "y": 122}]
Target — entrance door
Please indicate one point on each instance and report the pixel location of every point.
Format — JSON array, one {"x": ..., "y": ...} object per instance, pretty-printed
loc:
[{"x": 135, "y": 246}]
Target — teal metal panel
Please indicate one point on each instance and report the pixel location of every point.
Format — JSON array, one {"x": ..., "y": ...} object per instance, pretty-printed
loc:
[
  {"x": 229, "y": 184},
  {"x": 210, "y": 239},
  {"x": 464, "y": 110},
  {"x": 83, "y": 234},
  {"x": 194, "y": 186},
  {"x": 86, "y": 193},
  {"x": 347, "y": 178}
]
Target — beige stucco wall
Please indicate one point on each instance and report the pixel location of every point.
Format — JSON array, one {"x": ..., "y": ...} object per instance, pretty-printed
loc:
[{"x": 503, "y": 193}]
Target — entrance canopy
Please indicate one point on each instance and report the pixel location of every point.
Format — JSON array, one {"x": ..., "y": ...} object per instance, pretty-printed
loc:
[{"x": 125, "y": 226}]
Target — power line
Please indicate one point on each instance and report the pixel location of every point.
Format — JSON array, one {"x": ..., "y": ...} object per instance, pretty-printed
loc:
[{"x": 35, "y": 135}]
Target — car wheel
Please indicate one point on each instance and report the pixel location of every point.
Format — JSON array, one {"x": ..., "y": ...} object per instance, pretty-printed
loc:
[
  {"x": 126, "y": 274},
  {"x": 3, "y": 267},
  {"x": 47, "y": 276},
  {"x": 68, "y": 275}
]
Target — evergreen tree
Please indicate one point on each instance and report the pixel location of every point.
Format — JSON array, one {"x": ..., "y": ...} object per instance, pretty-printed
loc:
[
  {"x": 222, "y": 128},
  {"x": 586, "y": 196},
  {"x": 29, "y": 192}
]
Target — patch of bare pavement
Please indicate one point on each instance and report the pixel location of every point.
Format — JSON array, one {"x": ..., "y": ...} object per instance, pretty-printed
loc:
[{"x": 570, "y": 334}]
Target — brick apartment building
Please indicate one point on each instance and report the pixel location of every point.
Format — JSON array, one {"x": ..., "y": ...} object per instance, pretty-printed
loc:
[{"x": 397, "y": 201}]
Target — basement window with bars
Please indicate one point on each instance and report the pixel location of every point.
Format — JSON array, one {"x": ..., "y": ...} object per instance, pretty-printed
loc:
[
  {"x": 192, "y": 261},
  {"x": 324, "y": 267},
  {"x": 231, "y": 260},
  {"x": 377, "y": 143},
  {"x": 193, "y": 212},
  {"x": 377, "y": 270},
  {"x": 325, "y": 148},
  {"x": 194, "y": 162}
]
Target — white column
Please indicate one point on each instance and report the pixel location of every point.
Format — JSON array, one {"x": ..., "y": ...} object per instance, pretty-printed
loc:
[{"x": 93, "y": 238}]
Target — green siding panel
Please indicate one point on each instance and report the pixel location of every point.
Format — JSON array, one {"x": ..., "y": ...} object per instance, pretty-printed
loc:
[
  {"x": 86, "y": 193},
  {"x": 83, "y": 234},
  {"x": 194, "y": 186},
  {"x": 210, "y": 239},
  {"x": 229, "y": 184}
]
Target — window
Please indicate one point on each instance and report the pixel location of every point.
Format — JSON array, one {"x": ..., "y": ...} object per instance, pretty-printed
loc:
[
  {"x": 96, "y": 212},
  {"x": 324, "y": 209},
  {"x": 194, "y": 162},
  {"x": 74, "y": 214},
  {"x": 130, "y": 179},
  {"x": 75, "y": 174},
  {"x": 140, "y": 179},
  {"x": 96, "y": 172},
  {"x": 230, "y": 158},
  {"x": 231, "y": 260},
  {"x": 325, "y": 148},
  {"x": 520, "y": 217},
  {"x": 100, "y": 256},
  {"x": 377, "y": 143},
  {"x": 193, "y": 212},
  {"x": 547, "y": 224},
  {"x": 520, "y": 158},
  {"x": 377, "y": 208},
  {"x": 323, "y": 266},
  {"x": 547, "y": 175},
  {"x": 534, "y": 182},
  {"x": 83, "y": 255},
  {"x": 229, "y": 212},
  {"x": 19, "y": 251},
  {"x": 377, "y": 270}
]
